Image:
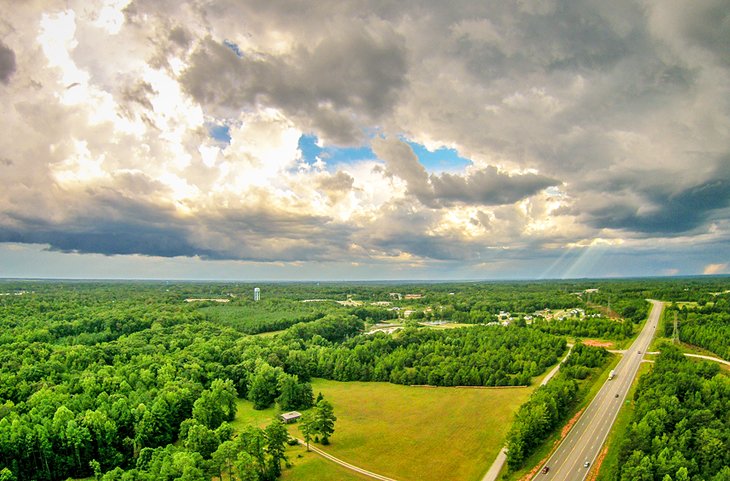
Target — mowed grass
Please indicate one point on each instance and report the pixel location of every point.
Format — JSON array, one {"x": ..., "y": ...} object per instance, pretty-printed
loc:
[
  {"x": 311, "y": 466},
  {"x": 407, "y": 433},
  {"x": 415, "y": 433}
]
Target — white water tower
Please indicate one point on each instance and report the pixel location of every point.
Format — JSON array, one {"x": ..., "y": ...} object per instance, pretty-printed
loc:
[{"x": 256, "y": 294}]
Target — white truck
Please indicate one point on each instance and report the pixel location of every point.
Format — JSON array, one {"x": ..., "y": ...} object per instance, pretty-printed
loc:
[{"x": 611, "y": 375}]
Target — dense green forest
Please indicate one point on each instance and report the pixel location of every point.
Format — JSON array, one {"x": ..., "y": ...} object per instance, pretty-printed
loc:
[
  {"x": 680, "y": 429},
  {"x": 706, "y": 324},
  {"x": 124, "y": 380},
  {"x": 479, "y": 356}
]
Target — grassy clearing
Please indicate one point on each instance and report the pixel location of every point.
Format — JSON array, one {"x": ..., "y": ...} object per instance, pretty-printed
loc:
[
  {"x": 617, "y": 344},
  {"x": 263, "y": 316},
  {"x": 451, "y": 325},
  {"x": 610, "y": 463},
  {"x": 310, "y": 465},
  {"x": 246, "y": 415},
  {"x": 408, "y": 433},
  {"x": 412, "y": 433},
  {"x": 269, "y": 334}
]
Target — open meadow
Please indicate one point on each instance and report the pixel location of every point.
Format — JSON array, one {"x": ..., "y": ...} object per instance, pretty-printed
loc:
[{"x": 409, "y": 433}]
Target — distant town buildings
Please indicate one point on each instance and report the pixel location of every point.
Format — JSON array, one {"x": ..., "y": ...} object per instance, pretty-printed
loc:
[{"x": 256, "y": 294}]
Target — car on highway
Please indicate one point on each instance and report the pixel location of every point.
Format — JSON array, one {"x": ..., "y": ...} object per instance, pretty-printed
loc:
[
  {"x": 545, "y": 470},
  {"x": 586, "y": 464}
]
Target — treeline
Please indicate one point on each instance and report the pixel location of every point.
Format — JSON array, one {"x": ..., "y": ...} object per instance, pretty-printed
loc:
[
  {"x": 253, "y": 455},
  {"x": 80, "y": 318},
  {"x": 706, "y": 326},
  {"x": 680, "y": 429},
  {"x": 549, "y": 406},
  {"x": 475, "y": 356},
  {"x": 587, "y": 327}
]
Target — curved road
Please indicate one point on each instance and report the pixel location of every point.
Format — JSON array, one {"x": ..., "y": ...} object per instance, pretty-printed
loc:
[{"x": 584, "y": 441}]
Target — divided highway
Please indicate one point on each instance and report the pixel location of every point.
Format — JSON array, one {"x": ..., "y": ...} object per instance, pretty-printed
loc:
[{"x": 583, "y": 443}]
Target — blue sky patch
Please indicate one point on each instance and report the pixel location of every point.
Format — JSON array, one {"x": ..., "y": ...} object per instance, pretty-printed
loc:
[
  {"x": 221, "y": 133},
  {"x": 332, "y": 155},
  {"x": 235, "y": 48},
  {"x": 440, "y": 160}
]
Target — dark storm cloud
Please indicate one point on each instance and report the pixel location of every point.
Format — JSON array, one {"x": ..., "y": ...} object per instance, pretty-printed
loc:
[
  {"x": 705, "y": 27},
  {"x": 99, "y": 234},
  {"x": 674, "y": 212},
  {"x": 7, "y": 63},
  {"x": 180, "y": 36},
  {"x": 110, "y": 238},
  {"x": 267, "y": 234},
  {"x": 487, "y": 186},
  {"x": 356, "y": 72},
  {"x": 112, "y": 225}
]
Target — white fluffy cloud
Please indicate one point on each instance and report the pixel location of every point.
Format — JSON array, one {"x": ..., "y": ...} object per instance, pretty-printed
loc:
[{"x": 588, "y": 123}]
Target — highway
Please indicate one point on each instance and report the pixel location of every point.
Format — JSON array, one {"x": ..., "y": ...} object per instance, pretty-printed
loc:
[{"x": 585, "y": 439}]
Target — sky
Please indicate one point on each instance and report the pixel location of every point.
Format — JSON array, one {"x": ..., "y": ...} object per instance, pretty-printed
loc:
[{"x": 353, "y": 139}]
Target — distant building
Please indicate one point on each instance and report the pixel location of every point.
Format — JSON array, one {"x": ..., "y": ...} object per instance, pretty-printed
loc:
[
  {"x": 290, "y": 417},
  {"x": 256, "y": 294},
  {"x": 414, "y": 296}
]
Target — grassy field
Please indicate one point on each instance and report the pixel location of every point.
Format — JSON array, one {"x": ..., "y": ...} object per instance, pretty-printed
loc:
[
  {"x": 408, "y": 433},
  {"x": 263, "y": 316},
  {"x": 311, "y": 466}
]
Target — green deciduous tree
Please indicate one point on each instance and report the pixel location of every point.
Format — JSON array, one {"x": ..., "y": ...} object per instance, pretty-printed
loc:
[
  {"x": 324, "y": 420},
  {"x": 294, "y": 394},
  {"x": 307, "y": 427},
  {"x": 276, "y": 438},
  {"x": 216, "y": 405},
  {"x": 264, "y": 387}
]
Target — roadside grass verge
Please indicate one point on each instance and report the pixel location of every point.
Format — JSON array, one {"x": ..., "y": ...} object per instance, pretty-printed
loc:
[
  {"x": 609, "y": 466},
  {"x": 589, "y": 388},
  {"x": 407, "y": 433}
]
